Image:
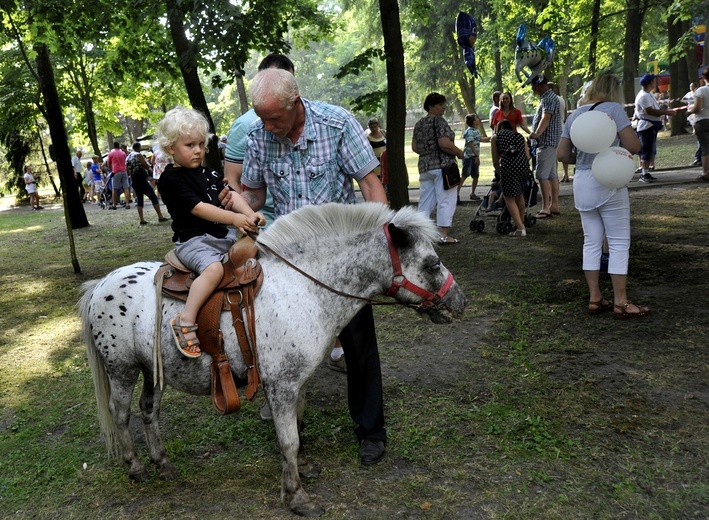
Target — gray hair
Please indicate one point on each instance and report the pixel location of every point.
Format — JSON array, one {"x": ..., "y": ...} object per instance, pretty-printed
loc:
[
  {"x": 179, "y": 122},
  {"x": 274, "y": 83}
]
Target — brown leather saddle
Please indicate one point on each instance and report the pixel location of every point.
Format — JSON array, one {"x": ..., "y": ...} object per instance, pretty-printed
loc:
[{"x": 235, "y": 293}]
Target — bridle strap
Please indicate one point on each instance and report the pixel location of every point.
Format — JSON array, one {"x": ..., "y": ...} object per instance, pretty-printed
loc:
[{"x": 400, "y": 281}]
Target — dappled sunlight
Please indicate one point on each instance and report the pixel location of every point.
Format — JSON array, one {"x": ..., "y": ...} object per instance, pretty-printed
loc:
[
  {"x": 21, "y": 230},
  {"x": 46, "y": 349}
]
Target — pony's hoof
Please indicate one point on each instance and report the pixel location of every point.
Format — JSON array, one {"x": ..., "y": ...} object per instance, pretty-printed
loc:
[
  {"x": 309, "y": 510},
  {"x": 168, "y": 472},
  {"x": 139, "y": 475},
  {"x": 309, "y": 470}
]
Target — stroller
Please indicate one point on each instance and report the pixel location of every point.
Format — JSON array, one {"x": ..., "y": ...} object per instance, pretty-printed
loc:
[
  {"x": 504, "y": 225},
  {"x": 106, "y": 196}
]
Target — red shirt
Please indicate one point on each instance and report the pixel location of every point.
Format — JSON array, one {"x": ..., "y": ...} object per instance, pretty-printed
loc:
[
  {"x": 116, "y": 160},
  {"x": 514, "y": 117}
]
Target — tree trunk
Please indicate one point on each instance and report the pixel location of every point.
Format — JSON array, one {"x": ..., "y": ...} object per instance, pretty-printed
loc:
[
  {"x": 241, "y": 90},
  {"x": 692, "y": 64},
  {"x": 631, "y": 48},
  {"x": 73, "y": 207},
  {"x": 594, "y": 39},
  {"x": 188, "y": 67},
  {"x": 498, "y": 71},
  {"x": 57, "y": 193},
  {"x": 679, "y": 78},
  {"x": 396, "y": 103},
  {"x": 705, "y": 60}
]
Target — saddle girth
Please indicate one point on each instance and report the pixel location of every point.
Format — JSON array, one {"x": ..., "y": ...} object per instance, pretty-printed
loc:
[{"x": 236, "y": 293}]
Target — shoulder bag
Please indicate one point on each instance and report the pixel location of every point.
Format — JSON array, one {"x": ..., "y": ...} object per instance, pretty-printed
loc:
[{"x": 450, "y": 173}]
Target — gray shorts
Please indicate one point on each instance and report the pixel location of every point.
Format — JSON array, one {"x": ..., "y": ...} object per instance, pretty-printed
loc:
[
  {"x": 120, "y": 181},
  {"x": 546, "y": 163},
  {"x": 200, "y": 252}
]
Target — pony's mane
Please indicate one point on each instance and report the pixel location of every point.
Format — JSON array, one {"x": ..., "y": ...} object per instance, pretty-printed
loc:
[{"x": 335, "y": 219}]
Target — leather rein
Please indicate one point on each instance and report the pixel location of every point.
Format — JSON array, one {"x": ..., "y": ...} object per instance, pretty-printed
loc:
[{"x": 399, "y": 281}]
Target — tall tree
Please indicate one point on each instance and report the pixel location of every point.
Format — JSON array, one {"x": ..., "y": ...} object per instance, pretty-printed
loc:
[
  {"x": 187, "y": 59},
  {"x": 634, "y": 16},
  {"x": 73, "y": 207},
  {"x": 396, "y": 103}
]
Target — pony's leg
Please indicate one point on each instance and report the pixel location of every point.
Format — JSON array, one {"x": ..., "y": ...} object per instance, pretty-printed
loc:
[
  {"x": 119, "y": 405},
  {"x": 150, "y": 399},
  {"x": 284, "y": 407},
  {"x": 305, "y": 468}
]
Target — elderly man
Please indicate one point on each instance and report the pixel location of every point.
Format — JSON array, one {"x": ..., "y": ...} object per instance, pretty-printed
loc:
[
  {"x": 547, "y": 127},
  {"x": 295, "y": 146}
]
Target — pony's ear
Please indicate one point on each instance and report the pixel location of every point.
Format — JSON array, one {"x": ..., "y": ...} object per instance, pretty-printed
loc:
[{"x": 400, "y": 237}]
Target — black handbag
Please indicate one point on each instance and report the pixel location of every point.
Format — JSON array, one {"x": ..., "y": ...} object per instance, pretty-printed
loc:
[{"x": 450, "y": 173}]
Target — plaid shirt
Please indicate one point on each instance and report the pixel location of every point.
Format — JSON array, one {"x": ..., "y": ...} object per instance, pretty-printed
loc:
[
  {"x": 548, "y": 103},
  {"x": 330, "y": 152}
]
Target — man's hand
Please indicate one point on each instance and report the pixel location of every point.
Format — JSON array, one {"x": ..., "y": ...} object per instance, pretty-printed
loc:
[{"x": 225, "y": 198}]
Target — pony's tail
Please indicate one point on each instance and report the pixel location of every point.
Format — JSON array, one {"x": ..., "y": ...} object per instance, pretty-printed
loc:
[{"x": 102, "y": 388}]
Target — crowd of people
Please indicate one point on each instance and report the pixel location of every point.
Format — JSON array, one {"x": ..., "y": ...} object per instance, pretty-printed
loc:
[{"x": 123, "y": 177}]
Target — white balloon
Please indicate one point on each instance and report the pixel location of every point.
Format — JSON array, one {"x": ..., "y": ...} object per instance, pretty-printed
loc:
[
  {"x": 614, "y": 167},
  {"x": 593, "y": 131}
]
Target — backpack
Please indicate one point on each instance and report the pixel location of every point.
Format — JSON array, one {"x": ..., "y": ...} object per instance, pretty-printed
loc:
[{"x": 136, "y": 170}]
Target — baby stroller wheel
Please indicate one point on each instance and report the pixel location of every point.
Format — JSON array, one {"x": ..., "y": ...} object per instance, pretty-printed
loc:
[
  {"x": 481, "y": 226},
  {"x": 507, "y": 228},
  {"x": 473, "y": 225},
  {"x": 500, "y": 228},
  {"x": 530, "y": 220}
]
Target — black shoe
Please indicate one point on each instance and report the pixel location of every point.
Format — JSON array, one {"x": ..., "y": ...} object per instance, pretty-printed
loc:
[
  {"x": 371, "y": 452},
  {"x": 646, "y": 179},
  {"x": 143, "y": 223},
  {"x": 695, "y": 162},
  {"x": 163, "y": 219},
  {"x": 648, "y": 176}
]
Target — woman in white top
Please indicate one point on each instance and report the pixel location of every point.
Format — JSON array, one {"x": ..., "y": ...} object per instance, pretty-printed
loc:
[
  {"x": 604, "y": 211},
  {"x": 701, "y": 122}
]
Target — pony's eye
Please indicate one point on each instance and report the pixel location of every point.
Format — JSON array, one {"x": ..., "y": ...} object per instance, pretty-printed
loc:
[{"x": 433, "y": 268}]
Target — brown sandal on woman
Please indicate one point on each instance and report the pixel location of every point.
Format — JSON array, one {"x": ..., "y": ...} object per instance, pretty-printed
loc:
[
  {"x": 598, "y": 307},
  {"x": 620, "y": 312}
]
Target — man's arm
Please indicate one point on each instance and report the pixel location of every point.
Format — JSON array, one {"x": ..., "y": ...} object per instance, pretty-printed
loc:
[
  {"x": 372, "y": 189},
  {"x": 543, "y": 124},
  {"x": 232, "y": 173}
]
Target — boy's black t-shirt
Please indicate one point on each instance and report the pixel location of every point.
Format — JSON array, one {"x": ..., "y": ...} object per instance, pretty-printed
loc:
[{"x": 181, "y": 189}]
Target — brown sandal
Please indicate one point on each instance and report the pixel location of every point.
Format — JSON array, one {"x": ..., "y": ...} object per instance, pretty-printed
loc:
[
  {"x": 179, "y": 331},
  {"x": 620, "y": 312},
  {"x": 598, "y": 307}
]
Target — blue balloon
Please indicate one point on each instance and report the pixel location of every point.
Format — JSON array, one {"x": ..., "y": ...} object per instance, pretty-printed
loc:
[{"x": 467, "y": 31}]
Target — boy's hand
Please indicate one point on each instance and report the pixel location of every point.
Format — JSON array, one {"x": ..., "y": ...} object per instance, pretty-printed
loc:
[
  {"x": 245, "y": 224},
  {"x": 259, "y": 219}
]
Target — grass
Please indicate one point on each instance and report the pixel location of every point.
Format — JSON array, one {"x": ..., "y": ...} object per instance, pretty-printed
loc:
[{"x": 525, "y": 408}]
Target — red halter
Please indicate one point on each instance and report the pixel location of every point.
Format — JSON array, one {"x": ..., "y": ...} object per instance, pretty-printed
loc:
[{"x": 399, "y": 281}]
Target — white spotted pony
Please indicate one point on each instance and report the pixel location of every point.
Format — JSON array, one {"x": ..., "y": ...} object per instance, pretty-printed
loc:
[{"x": 351, "y": 248}]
